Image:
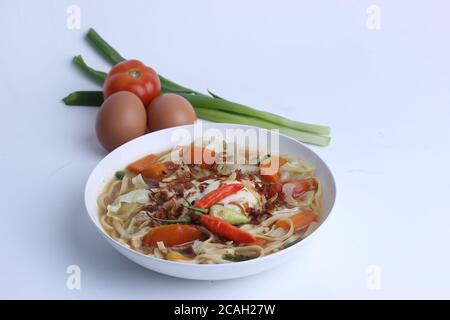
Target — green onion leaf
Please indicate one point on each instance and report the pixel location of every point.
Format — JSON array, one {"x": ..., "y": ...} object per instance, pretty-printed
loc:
[
  {"x": 98, "y": 76},
  {"x": 228, "y": 106},
  {"x": 103, "y": 47},
  {"x": 214, "y": 95},
  {"x": 84, "y": 98},
  {"x": 226, "y": 117}
]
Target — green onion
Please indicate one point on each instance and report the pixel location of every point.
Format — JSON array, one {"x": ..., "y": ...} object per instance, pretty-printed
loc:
[
  {"x": 98, "y": 76},
  {"x": 119, "y": 175},
  {"x": 84, "y": 98},
  {"x": 228, "y": 106},
  {"x": 103, "y": 47},
  {"x": 226, "y": 117},
  {"x": 212, "y": 94},
  {"x": 168, "y": 86}
]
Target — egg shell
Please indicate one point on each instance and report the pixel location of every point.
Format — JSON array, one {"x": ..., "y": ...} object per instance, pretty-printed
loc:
[
  {"x": 121, "y": 118},
  {"x": 169, "y": 110}
]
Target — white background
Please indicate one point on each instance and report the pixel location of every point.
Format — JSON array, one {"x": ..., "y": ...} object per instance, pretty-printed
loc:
[{"x": 385, "y": 94}]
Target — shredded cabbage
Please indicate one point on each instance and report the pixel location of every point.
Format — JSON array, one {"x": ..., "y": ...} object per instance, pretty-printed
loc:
[
  {"x": 298, "y": 166},
  {"x": 139, "y": 182},
  {"x": 136, "y": 196},
  {"x": 294, "y": 170}
]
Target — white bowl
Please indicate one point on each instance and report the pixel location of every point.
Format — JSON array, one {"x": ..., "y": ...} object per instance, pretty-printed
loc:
[{"x": 161, "y": 140}]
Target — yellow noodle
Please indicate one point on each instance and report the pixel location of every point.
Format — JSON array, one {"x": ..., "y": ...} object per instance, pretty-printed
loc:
[{"x": 130, "y": 224}]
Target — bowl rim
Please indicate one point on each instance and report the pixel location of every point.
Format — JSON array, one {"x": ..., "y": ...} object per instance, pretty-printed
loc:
[{"x": 206, "y": 266}]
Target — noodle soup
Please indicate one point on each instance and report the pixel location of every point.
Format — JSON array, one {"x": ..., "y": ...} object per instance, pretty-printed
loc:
[{"x": 205, "y": 209}]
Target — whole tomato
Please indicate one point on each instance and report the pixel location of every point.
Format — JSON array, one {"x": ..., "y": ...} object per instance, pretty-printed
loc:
[{"x": 135, "y": 77}]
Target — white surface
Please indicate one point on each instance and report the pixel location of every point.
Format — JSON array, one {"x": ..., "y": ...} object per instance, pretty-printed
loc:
[
  {"x": 385, "y": 94},
  {"x": 166, "y": 139}
]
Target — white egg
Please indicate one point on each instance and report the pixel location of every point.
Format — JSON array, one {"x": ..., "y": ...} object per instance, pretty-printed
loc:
[{"x": 243, "y": 197}]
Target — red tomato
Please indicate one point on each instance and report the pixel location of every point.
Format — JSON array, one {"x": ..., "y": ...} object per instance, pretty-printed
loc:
[{"x": 135, "y": 77}]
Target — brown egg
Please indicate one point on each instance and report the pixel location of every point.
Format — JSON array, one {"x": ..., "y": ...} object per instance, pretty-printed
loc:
[
  {"x": 169, "y": 110},
  {"x": 120, "y": 119}
]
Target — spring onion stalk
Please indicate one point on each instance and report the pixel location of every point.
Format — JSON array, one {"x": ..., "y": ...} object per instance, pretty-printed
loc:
[
  {"x": 227, "y": 117},
  {"x": 103, "y": 47},
  {"x": 234, "y": 107},
  {"x": 98, "y": 76},
  {"x": 168, "y": 86},
  {"x": 84, "y": 98},
  {"x": 228, "y": 106},
  {"x": 212, "y": 94}
]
